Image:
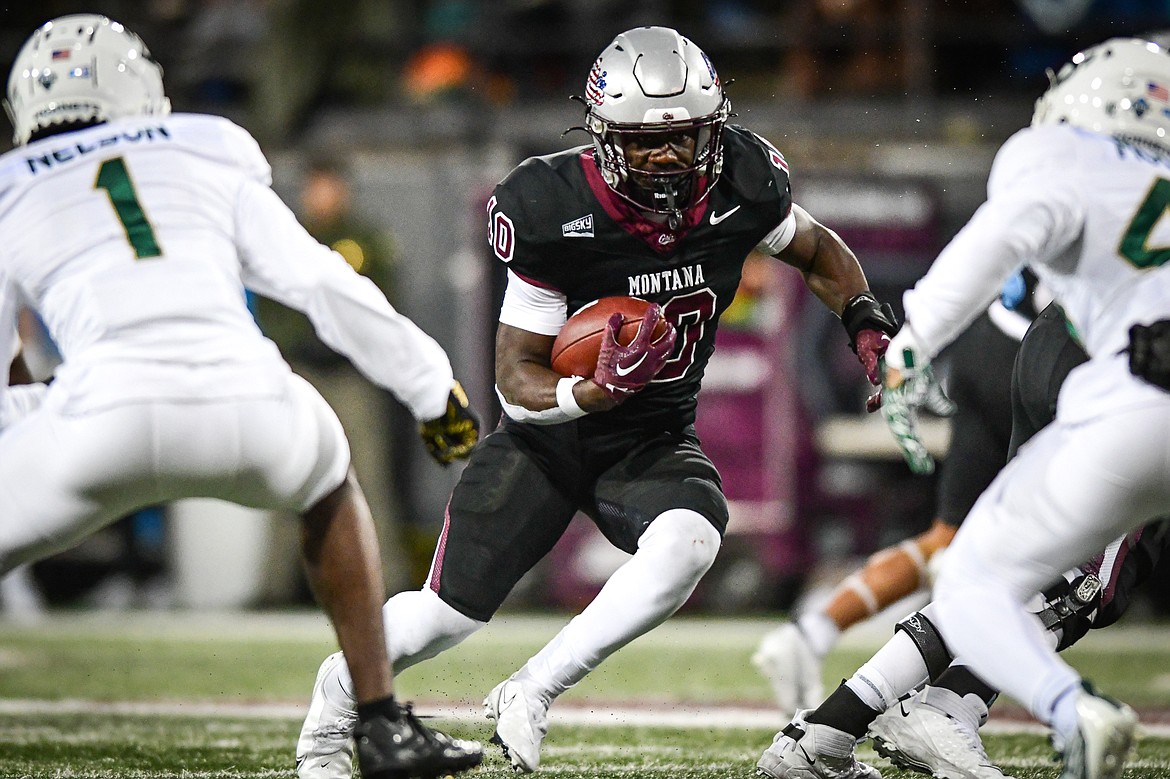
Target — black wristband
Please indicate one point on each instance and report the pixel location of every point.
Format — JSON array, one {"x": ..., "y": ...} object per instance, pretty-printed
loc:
[{"x": 863, "y": 312}]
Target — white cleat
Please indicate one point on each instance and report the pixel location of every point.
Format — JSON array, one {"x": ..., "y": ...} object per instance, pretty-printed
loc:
[
  {"x": 807, "y": 751},
  {"x": 1104, "y": 736},
  {"x": 521, "y": 723},
  {"x": 919, "y": 734},
  {"x": 785, "y": 659},
  {"x": 325, "y": 746}
]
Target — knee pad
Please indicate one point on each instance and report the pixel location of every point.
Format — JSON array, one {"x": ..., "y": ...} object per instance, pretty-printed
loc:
[
  {"x": 928, "y": 641},
  {"x": 419, "y": 625},
  {"x": 686, "y": 536}
]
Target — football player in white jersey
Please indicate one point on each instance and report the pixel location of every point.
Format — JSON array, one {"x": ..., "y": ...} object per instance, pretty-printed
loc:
[
  {"x": 134, "y": 233},
  {"x": 1078, "y": 197}
]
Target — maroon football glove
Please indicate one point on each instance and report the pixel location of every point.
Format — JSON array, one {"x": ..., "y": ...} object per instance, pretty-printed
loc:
[
  {"x": 871, "y": 345},
  {"x": 623, "y": 370}
]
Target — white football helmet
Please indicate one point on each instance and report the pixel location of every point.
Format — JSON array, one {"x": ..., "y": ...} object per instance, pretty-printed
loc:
[
  {"x": 82, "y": 68},
  {"x": 652, "y": 80},
  {"x": 1120, "y": 87}
]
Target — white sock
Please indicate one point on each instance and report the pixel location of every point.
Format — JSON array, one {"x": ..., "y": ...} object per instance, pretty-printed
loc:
[
  {"x": 968, "y": 709},
  {"x": 1063, "y": 719},
  {"x": 338, "y": 690},
  {"x": 894, "y": 670},
  {"x": 820, "y": 630},
  {"x": 419, "y": 625},
  {"x": 673, "y": 554}
]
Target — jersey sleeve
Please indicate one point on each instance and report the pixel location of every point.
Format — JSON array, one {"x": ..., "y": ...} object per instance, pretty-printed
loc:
[
  {"x": 280, "y": 260},
  {"x": 769, "y": 183},
  {"x": 512, "y": 234},
  {"x": 248, "y": 156},
  {"x": 532, "y": 308},
  {"x": 1033, "y": 212}
]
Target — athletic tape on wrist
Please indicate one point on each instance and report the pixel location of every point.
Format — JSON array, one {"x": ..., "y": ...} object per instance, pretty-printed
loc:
[{"x": 565, "y": 400}]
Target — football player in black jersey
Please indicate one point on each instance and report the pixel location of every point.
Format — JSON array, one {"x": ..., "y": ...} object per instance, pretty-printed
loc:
[{"x": 665, "y": 204}]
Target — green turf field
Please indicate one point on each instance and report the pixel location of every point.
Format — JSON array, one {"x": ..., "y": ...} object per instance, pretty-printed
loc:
[{"x": 180, "y": 695}]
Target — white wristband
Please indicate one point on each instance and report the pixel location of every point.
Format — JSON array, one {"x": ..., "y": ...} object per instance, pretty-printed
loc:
[{"x": 565, "y": 400}]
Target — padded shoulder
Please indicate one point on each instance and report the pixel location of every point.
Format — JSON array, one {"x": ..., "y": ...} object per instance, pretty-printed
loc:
[
  {"x": 542, "y": 190},
  {"x": 534, "y": 206},
  {"x": 756, "y": 169},
  {"x": 1050, "y": 152},
  {"x": 223, "y": 141}
]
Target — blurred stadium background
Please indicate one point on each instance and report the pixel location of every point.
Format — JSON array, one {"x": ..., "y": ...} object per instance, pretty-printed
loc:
[{"x": 888, "y": 111}]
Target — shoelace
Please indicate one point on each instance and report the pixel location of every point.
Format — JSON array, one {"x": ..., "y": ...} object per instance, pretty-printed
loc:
[
  {"x": 970, "y": 736},
  {"x": 442, "y": 740}
]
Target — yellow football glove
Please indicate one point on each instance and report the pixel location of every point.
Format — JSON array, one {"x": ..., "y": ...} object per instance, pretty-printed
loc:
[{"x": 452, "y": 436}]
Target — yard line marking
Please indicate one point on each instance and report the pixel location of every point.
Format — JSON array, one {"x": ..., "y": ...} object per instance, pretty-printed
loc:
[{"x": 568, "y": 712}]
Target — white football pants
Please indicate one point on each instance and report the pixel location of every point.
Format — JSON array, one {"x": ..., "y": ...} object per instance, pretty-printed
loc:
[
  {"x": 64, "y": 476},
  {"x": 1089, "y": 477}
]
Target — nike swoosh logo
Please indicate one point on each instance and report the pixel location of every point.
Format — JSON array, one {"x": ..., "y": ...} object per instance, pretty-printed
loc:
[
  {"x": 626, "y": 372},
  {"x": 717, "y": 218}
]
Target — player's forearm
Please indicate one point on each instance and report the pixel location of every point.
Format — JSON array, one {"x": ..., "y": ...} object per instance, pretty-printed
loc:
[
  {"x": 527, "y": 384},
  {"x": 834, "y": 275},
  {"x": 529, "y": 392},
  {"x": 966, "y": 277}
]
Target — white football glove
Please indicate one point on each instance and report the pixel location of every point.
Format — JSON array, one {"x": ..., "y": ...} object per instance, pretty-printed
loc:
[{"x": 906, "y": 389}]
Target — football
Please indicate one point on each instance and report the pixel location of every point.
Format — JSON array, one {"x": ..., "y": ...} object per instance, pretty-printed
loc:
[{"x": 576, "y": 347}]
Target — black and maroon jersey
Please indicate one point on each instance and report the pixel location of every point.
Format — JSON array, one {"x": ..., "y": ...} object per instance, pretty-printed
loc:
[{"x": 556, "y": 224}]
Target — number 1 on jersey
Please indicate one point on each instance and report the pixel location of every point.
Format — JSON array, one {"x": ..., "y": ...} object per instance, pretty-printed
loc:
[{"x": 115, "y": 180}]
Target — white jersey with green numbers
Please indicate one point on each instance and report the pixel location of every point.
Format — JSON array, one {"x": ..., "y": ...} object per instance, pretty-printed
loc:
[
  {"x": 1085, "y": 211},
  {"x": 1088, "y": 213},
  {"x": 135, "y": 240}
]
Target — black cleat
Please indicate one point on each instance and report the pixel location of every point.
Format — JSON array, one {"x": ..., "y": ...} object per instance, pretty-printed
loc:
[{"x": 407, "y": 749}]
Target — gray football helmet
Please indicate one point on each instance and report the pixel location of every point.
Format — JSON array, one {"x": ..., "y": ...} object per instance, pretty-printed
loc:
[
  {"x": 653, "y": 81},
  {"x": 82, "y": 68},
  {"x": 1120, "y": 87}
]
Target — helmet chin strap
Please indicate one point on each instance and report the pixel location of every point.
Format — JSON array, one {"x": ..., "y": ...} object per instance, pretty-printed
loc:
[
  {"x": 667, "y": 195},
  {"x": 674, "y": 218}
]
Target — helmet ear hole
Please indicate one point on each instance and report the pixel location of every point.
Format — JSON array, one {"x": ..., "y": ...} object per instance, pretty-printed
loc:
[{"x": 78, "y": 69}]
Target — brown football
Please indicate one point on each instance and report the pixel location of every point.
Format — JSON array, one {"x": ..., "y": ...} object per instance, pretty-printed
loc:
[{"x": 575, "y": 350}]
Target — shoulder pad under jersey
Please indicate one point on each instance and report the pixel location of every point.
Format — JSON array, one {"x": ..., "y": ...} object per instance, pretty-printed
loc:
[
  {"x": 531, "y": 206},
  {"x": 755, "y": 168},
  {"x": 223, "y": 141}
]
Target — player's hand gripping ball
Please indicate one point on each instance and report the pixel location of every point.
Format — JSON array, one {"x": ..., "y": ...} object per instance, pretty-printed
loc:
[
  {"x": 577, "y": 346},
  {"x": 626, "y": 341}
]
